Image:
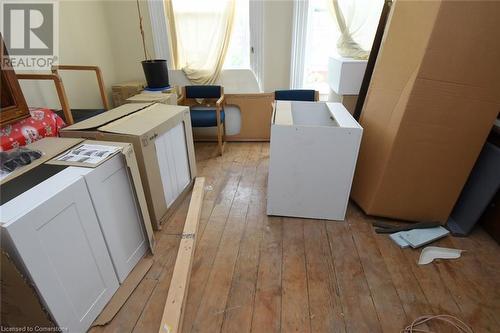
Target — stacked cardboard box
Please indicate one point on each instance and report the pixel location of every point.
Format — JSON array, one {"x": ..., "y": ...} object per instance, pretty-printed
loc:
[
  {"x": 122, "y": 91},
  {"x": 432, "y": 100}
]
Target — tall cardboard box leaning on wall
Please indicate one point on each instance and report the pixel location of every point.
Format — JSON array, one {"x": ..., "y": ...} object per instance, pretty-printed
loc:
[
  {"x": 432, "y": 100},
  {"x": 163, "y": 142}
]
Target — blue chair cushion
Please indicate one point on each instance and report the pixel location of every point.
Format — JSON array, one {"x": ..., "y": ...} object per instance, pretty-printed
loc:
[
  {"x": 205, "y": 117},
  {"x": 203, "y": 91},
  {"x": 295, "y": 95}
]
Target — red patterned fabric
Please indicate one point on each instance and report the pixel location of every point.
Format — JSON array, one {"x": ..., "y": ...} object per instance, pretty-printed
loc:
[{"x": 42, "y": 123}]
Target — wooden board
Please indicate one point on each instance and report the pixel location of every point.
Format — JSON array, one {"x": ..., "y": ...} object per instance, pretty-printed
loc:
[{"x": 174, "y": 307}]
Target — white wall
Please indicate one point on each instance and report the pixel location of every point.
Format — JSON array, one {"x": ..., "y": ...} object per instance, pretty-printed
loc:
[
  {"x": 106, "y": 33},
  {"x": 94, "y": 32},
  {"x": 278, "y": 21},
  {"x": 83, "y": 40}
]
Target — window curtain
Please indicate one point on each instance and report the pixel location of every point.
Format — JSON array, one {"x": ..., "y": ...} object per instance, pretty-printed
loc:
[
  {"x": 200, "y": 31},
  {"x": 357, "y": 21}
]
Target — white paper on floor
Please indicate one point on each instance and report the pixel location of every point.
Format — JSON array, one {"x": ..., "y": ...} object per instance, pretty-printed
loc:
[{"x": 430, "y": 253}]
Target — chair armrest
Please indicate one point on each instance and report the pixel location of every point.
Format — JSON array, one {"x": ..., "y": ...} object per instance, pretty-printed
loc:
[
  {"x": 180, "y": 99},
  {"x": 220, "y": 101},
  {"x": 98, "y": 73},
  {"x": 61, "y": 93}
]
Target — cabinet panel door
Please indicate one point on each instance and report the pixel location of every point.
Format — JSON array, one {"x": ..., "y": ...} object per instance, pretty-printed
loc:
[
  {"x": 179, "y": 146},
  {"x": 165, "y": 156},
  {"x": 63, "y": 250},
  {"x": 118, "y": 213}
]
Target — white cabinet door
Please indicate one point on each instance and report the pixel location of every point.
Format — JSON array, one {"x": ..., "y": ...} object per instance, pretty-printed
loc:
[
  {"x": 181, "y": 159},
  {"x": 171, "y": 151},
  {"x": 63, "y": 250},
  {"x": 115, "y": 203}
]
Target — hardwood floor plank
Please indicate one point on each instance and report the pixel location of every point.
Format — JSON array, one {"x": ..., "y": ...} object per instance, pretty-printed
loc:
[
  {"x": 295, "y": 316},
  {"x": 150, "y": 318},
  {"x": 385, "y": 297},
  {"x": 359, "y": 311},
  {"x": 239, "y": 308},
  {"x": 324, "y": 300},
  {"x": 411, "y": 295},
  {"x": 210, "y": 236},
  {"x": 267, "y": 306},
  {"x": 212, "y": 306},
  {"x": 127, "y": 317},
  {"x": 347, "y": 277},
  {"x": 475, "y": 299}
]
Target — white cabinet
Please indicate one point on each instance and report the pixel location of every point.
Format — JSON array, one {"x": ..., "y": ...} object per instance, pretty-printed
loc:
[
  {"x": 53, "y": 233},
  {"x": 345, "y": 75},
  {"x": 173, "y": 161},
  {"x": 314, "y": 148},
  {"x": 118, "y": 213},
  {"x": 77, "y": 235}
]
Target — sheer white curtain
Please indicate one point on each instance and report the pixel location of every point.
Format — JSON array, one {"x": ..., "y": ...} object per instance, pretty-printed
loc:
[
  {"x": 357, "y": 21},
  {"x": 200, "y": 32}
]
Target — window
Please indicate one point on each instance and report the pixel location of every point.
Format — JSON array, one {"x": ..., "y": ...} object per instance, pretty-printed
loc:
[
  {"x": 195, "y": 15},
  {"x": 322, "y": 35},
  {"x": 238, "y": 53}
]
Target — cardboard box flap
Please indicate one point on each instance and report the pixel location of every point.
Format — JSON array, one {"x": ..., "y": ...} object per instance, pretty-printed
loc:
[
  {"x": 107, "y": 117},
  {"x": 50, "y": 147},
  {"x": 150, "y": 118},
  {"x": 149, "y": 97}
]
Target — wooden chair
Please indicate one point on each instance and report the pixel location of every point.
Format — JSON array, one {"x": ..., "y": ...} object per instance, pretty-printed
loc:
[
  {"x": 82, "y": 114},
  {"x": 61, "y": 92},
  {"x": 206, "y": 105}
]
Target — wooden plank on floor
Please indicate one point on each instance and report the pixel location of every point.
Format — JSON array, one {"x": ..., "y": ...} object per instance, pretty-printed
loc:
[
  {"x": 324, "y": 301},
  {"x": 359, "y": 311},
  {"x": 385, "y": 297},
  {"x": 295, "y": 315},
  {"x": 174, "y": 306},
  {"x": 213, "y": 303}
]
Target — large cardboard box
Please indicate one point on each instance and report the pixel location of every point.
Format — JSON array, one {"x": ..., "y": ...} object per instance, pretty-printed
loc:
[
  {"x": 163, "y": 142},
  {"x": 432, "y": 100}
]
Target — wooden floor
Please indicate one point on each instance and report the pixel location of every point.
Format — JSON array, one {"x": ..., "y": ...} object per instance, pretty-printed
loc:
[{"x": 254, "y": 273}]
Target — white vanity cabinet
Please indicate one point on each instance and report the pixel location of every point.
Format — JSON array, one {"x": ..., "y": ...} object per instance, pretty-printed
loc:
[
  {"x": 313, "y": 153},
  {"x": 53, "y": 234},
  {"x": 76, "y": 235},
  {"x": 118, "y": 214}
]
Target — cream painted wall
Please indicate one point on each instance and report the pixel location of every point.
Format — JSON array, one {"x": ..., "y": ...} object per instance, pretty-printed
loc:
[
  {"x": 126, "y": 45},
  {"x": 278, "y": 21},
  {"x": 83, "y": 40},
  {"x": 105, "y": 33}
]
